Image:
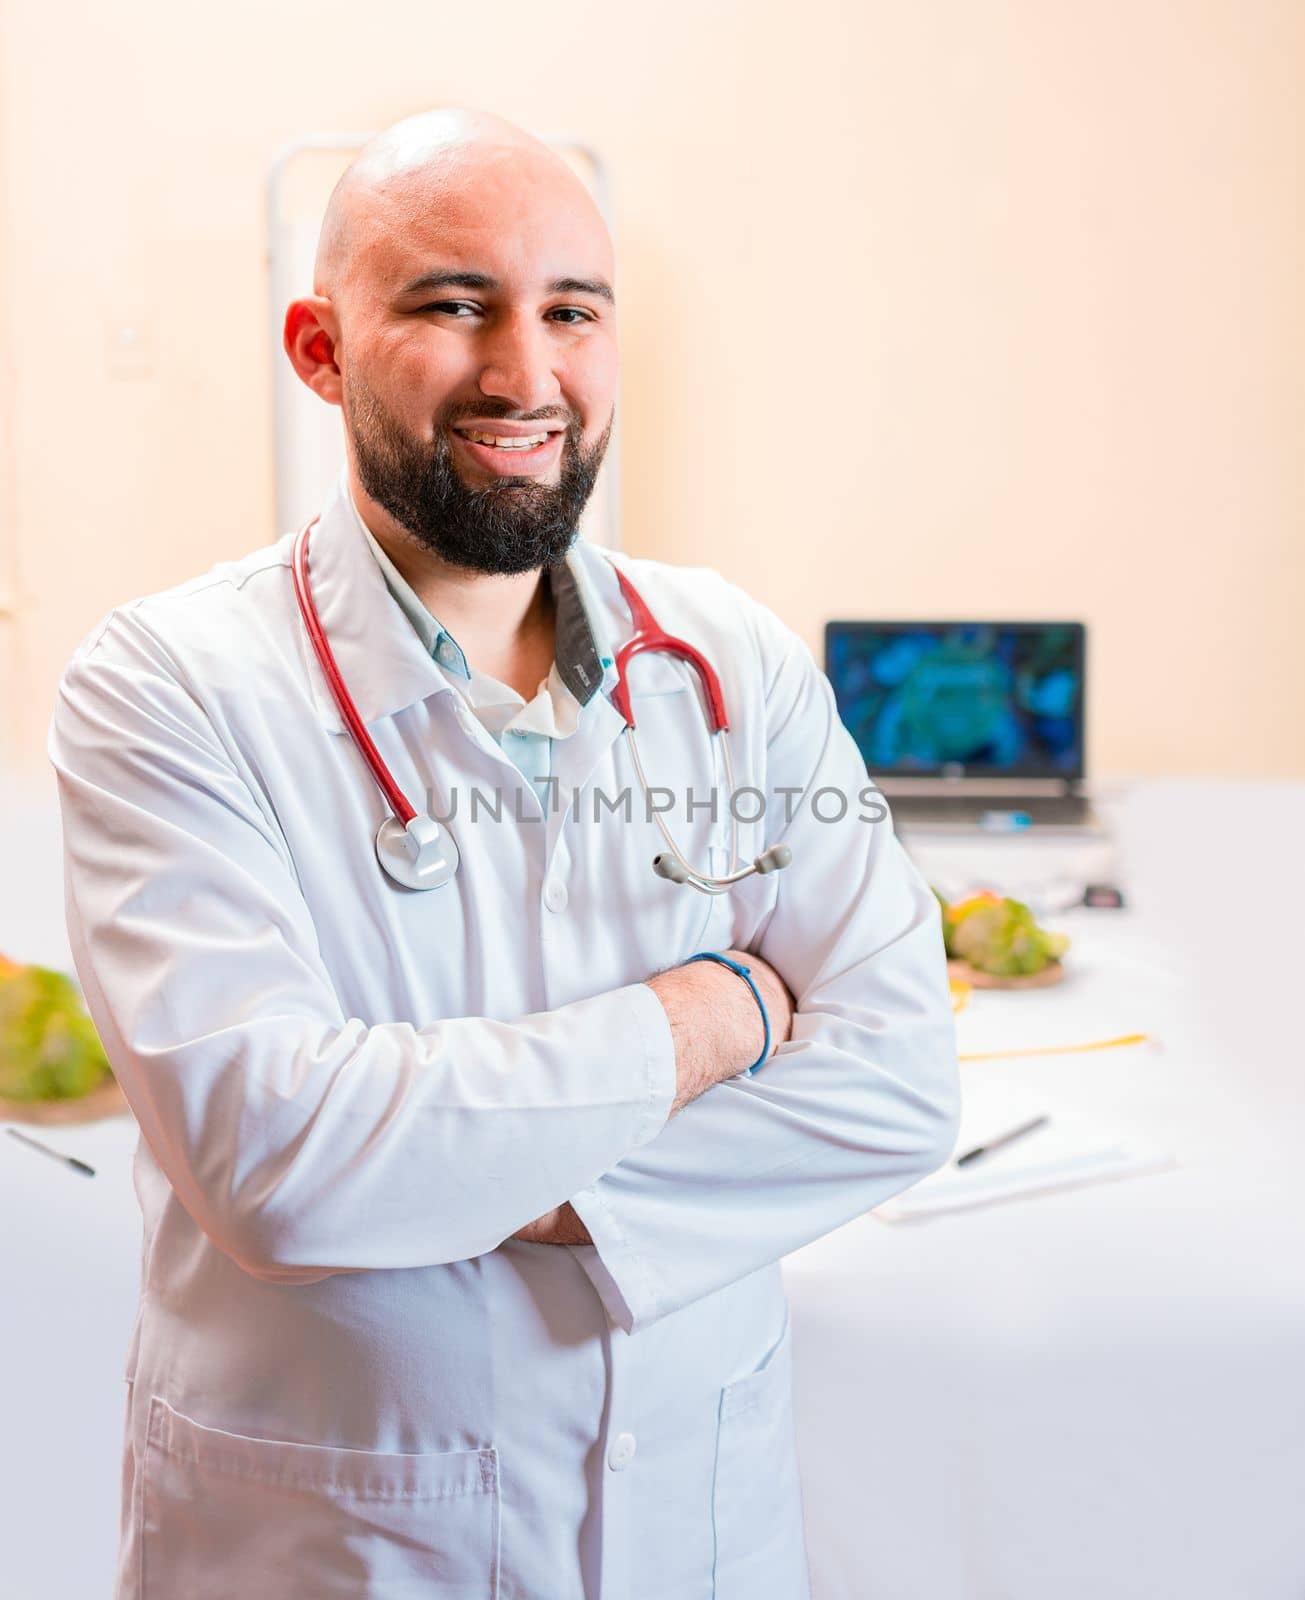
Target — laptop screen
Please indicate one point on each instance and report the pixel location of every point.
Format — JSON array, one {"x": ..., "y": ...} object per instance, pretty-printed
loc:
[{"x": 954, "y": 699}]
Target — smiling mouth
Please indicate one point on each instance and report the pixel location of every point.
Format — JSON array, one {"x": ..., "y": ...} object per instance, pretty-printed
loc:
[
  {"x": 529, "y": 441},
  {"x": 511, "y": 454}
]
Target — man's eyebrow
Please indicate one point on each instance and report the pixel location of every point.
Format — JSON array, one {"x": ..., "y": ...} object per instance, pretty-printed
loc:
[
  {"x": 597, "y": 286},
  {"x": 482, "y": 280}
]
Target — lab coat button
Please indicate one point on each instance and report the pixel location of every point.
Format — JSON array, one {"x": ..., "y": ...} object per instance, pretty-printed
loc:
[
  {"x": 622, "y": 1452},
  {"x": 446, "y": 654},
  {"x": 555, "y": 896}
]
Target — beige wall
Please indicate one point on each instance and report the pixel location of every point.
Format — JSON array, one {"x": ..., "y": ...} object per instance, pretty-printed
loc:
[{"x": 962, "y": 306}]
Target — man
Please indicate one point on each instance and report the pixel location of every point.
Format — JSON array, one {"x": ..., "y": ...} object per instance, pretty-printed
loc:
[{"x": 462, "y": 1212}]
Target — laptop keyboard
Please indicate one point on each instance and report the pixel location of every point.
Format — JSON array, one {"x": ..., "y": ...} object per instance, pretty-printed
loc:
[{"x": 1063, "y": 810}]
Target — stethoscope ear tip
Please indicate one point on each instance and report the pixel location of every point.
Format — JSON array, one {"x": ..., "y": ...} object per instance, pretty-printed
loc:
[
  {"x": 779, "y": 855},
  {"x": 669, "y": 866},
  {"x": 666, "y": 866}
]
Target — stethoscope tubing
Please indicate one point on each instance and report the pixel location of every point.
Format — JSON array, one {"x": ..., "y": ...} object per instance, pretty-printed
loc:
[
  {"x": 398, "y": 801},
  {"x": 648, "y": 636},
  {"x": 700, "y": 880}
]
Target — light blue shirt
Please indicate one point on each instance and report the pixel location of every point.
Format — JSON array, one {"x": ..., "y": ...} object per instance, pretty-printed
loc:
[{"x": 524, "y": 730}]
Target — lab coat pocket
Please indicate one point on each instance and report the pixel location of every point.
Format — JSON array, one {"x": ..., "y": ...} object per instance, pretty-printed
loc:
[
  {"x": 225, "y": 1514},
  {"x": 756, "y": 1498}
]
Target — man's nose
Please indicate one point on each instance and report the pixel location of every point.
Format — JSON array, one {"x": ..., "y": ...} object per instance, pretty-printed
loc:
[{"x": 519, "y": 363}]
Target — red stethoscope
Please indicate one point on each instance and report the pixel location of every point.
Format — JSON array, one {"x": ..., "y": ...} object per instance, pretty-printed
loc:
[{"x": 419, "y": 853}]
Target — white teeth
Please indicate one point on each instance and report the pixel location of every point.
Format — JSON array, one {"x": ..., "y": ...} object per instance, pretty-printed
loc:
[{"x": 501, "y": 443}]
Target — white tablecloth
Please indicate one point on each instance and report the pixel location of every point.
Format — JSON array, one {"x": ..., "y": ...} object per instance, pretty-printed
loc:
[
  {"x": 1098, "y": 1392},
  {"x": 1086, "y": 1394},
  {"x": 69, "y": 1265}
]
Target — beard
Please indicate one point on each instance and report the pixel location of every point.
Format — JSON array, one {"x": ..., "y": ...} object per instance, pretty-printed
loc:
[{"x": 508, "y": 525}]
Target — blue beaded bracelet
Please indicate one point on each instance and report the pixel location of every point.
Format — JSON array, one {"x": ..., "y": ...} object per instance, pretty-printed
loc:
[{"x": 746, "y": 974}]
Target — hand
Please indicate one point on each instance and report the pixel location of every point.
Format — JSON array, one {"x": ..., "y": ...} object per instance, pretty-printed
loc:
[{"x": 562, "y": 1225}]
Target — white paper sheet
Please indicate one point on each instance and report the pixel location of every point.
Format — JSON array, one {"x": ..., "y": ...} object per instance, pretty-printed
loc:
[{"x": 1070, "y": 1149}]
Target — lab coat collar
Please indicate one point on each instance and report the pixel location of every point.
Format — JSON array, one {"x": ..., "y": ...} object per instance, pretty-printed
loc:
[
  {"x": 582, "y": 652},
  {"x": 380, "y": 655},
  {"x": 382, "y": 661}
]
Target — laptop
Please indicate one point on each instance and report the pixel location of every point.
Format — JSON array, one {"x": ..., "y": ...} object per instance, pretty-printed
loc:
[{"x": 968, "y": 725}]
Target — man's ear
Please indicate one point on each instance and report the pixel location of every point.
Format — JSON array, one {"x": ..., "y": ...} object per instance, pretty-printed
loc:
[{"x": 309, "y": 338}]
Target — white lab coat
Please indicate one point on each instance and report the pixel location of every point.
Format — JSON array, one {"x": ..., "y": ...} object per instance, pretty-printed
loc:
[{"x": 346, "y": 1378}]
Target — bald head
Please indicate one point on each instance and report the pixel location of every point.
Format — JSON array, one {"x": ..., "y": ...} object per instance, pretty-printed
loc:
[{"x": 441, "y": 161}]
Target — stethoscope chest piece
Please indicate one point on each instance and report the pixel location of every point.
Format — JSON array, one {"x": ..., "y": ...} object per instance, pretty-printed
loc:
[{"x": 420, "y": 856}]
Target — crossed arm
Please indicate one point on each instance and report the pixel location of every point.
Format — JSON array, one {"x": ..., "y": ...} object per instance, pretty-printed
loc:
[{"x": 717, "y": 1031}]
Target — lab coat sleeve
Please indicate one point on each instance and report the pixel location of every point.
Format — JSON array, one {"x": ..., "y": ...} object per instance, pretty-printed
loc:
[
  {"x": 301, "y": 1140},
  {"x": 860, "y": 1103}
]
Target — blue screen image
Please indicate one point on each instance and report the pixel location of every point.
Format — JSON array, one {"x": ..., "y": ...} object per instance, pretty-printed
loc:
[{"x": 984, "y": 696}]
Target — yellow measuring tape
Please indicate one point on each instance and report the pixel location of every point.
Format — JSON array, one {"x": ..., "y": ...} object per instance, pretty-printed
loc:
[
  {"x": 1056, "y": 1049},
  {"x": 961, "y": 992}
]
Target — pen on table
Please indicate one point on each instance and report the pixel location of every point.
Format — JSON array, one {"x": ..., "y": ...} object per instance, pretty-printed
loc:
[
  {"x": 1002, "y": 1139},
  {"x": 68, "y": 1161}
]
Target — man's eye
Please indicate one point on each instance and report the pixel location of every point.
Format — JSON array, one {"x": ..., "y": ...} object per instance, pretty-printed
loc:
[{"x": 460, "y": 310}]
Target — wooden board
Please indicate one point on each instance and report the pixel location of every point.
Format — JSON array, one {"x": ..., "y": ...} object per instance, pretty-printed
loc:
[
  {"x": 1053, "y": 972},
  {"x": 106, "y": 1101}
]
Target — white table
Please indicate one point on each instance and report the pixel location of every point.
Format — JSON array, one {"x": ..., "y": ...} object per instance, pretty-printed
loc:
[
  {"x": 1096, "y": 1393},
  {"x": 69, "y": 1263}
]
